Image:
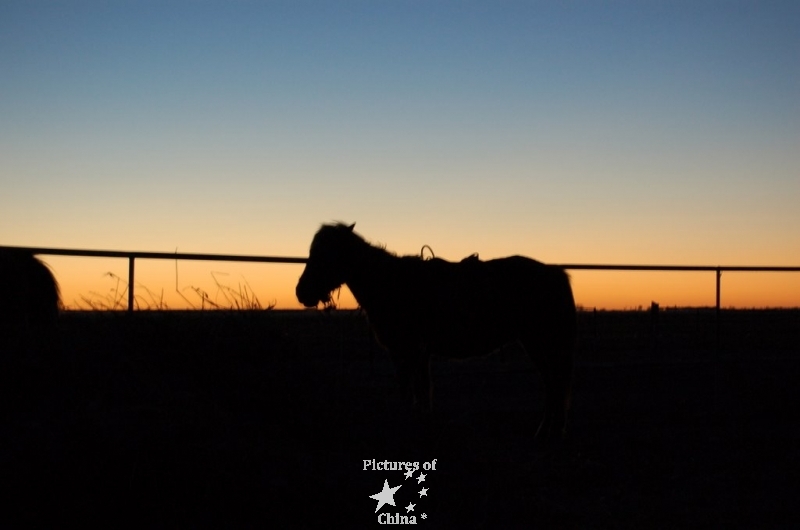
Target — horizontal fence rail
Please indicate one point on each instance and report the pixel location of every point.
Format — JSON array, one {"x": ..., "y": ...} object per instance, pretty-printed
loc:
[
  {"x": 131, "y": 256},
  {"x": 690, "y": 268},
  {"x": 152, "y": 255}
]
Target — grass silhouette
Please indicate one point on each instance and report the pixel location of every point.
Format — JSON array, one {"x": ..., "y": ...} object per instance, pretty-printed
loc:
[{"x": 226, "y": 297}]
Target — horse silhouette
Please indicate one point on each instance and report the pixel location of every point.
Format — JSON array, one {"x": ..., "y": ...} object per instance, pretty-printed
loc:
[
  {"x": 29, "y": 301},
  {"x": 420, "y": 307}
]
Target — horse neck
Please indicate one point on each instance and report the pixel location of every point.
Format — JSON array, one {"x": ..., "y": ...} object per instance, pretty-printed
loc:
[{"x": 367, "y": 274}]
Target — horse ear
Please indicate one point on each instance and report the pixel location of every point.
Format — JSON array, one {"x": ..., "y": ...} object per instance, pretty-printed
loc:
[{"x": 351, "y": 227}]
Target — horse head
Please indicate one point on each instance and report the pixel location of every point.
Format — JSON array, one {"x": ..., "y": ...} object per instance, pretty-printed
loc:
[{"x": 328, "y": 265}]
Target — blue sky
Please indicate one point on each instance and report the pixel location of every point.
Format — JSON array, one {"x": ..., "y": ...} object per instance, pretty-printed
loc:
[{"x": 628, "y": 132}]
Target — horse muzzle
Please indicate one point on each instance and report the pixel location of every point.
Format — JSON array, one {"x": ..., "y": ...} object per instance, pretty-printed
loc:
[
  {"x": 306, "y": 301},
  {"x": 305, "y": 298}
]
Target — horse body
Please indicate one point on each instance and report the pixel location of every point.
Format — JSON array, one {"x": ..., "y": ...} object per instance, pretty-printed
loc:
[{"x": 418, "y": 308}]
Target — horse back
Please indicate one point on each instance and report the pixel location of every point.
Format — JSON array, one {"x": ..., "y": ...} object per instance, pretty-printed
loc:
[
  {"x": 472, "y": 307},
  {"x": 518, "y": 283}
]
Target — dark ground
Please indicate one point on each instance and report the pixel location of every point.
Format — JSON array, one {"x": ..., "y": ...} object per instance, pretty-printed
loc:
[{"x": 264, "y": 419}]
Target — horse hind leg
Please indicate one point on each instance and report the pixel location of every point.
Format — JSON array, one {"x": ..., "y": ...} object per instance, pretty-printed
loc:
[
  {"x": 555, "y": 363},
  {"x": 560, "y": 390}
]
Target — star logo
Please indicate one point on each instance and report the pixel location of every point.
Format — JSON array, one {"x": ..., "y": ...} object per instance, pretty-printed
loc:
[
  {"x": 386, "y": 496},
  {"x": 404, "y": 512}
]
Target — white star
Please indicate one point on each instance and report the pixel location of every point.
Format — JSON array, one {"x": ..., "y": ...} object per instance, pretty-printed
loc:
[
  {"x": 410, "y": 507},
  {"x": 424, "y": 515},
  {"x": 421, "y": 478},
  {"x": 423, "y": 491},
  {"x": 409, "y": 473},
  {"x": 386, "y": 496}
]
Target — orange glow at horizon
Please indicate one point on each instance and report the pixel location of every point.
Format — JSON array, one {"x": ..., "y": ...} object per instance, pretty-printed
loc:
[{"x": 102, "y": 282}]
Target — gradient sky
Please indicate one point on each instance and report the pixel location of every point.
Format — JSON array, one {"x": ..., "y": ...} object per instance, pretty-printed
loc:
[{"x": 572, "y": 132}]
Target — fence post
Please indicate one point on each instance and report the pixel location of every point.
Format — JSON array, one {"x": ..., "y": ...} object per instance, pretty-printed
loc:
[
  {"x": 130, "y": 283},
  {"x": 654, "y": 308},
  {"x": 716, "y": 317}
]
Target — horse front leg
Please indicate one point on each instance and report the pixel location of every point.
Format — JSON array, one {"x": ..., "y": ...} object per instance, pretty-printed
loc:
[
  {"x": 402, "y": 370},
  {"x": 412, "y": 367},
  {"x": 421, "y": 382}
]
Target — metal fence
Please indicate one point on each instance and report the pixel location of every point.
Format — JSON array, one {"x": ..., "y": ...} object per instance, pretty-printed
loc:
[{"x": 132, "y": 256}]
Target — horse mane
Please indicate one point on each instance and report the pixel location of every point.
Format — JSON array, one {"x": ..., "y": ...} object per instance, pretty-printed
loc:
[{"x": 338, "y": 229}]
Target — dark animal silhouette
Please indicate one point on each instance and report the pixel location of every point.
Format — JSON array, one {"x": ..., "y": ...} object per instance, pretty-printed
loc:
[
  {"x": 29, "y": 301},
  {"x": 422, "y": 307}
]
